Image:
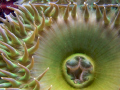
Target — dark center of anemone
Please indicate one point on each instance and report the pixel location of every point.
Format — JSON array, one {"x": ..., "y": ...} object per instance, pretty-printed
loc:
[{"x": 78, "y": 70}]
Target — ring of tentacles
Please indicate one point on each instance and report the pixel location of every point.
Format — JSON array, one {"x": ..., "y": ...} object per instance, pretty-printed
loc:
[{"x": 60, "y": 45}]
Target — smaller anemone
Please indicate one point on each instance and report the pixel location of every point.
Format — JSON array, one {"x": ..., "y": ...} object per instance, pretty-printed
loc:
[{"x": 3, "y": 7}]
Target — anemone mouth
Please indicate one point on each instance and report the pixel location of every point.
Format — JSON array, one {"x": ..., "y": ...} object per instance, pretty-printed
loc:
[{"x": 78, "y": 70}]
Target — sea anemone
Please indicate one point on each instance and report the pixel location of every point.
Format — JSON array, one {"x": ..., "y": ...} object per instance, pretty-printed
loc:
[{"x": 60, "y": 45}]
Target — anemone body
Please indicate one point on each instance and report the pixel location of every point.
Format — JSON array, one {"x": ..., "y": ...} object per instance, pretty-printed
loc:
[{"x": 35, "y": 46}]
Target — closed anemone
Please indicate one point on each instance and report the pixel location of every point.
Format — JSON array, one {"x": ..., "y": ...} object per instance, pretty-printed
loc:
[{"x": 60, "y": 45}]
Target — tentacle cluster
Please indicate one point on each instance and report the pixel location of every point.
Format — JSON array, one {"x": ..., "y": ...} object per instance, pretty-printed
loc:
[{"x": 20, "y": 35}]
